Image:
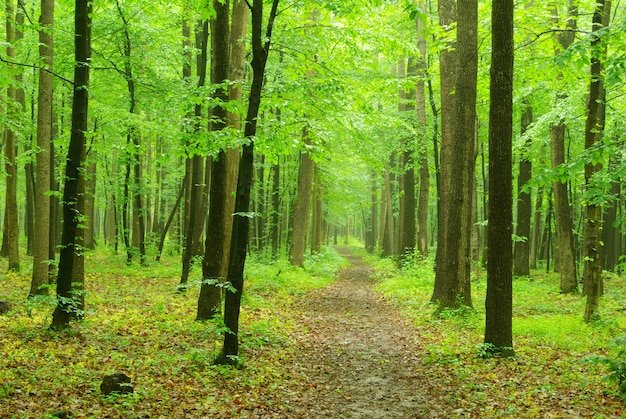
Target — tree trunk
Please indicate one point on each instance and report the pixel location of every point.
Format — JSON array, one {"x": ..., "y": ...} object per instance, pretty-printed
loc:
[
  {"x": 610, "y": 232},
  {"x": 594, "y": 127},
  {"x": 448, "y": 63},
  {"x": 210, "y": 298},
  {"x": 565, "y": 258},
  {"x": 318, "y": 212},
  {"x": 457, "y": 165},
  {"x": 424, "y": 174},
  {"x": 302, "y": 205},
  {"x": 239, "y": 245},
  {"x": 536, "y": 233},
  {"x": 499, "y": 298},
  {"x": 11, "y": 228},
  {"x": 275, "y": 209},
  {"x": 524, "y": 204},
  {"x": 82, "y": 43},
  {"x": 41, "y": 253},
  {"x": 406, "y": 247}
]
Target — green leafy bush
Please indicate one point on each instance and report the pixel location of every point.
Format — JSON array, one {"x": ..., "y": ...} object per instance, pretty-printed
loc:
[{"x": 616, "y": 365}]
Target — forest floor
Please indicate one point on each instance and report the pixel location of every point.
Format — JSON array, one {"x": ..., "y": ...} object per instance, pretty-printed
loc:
[
  {"x": 358, "y": 356},
  {"x": 314, "y": 345}
]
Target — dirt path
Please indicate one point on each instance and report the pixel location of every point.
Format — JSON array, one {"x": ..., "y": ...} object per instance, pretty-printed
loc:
[{"x": 359, "y": 356}]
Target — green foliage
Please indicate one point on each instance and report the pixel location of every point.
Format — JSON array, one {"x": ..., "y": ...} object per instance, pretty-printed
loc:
[{"x": 615, "y": 364}]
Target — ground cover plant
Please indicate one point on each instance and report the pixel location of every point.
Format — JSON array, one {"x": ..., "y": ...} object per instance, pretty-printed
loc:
[
  {"x": 560, "y": 361},
  {"x": 136, "y": 323}
]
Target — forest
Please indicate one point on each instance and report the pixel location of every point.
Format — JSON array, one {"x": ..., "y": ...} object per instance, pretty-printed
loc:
[{"x": 286, "y": 208}]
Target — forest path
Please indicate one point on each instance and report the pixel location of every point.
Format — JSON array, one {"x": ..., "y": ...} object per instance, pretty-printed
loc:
[{"x": 357, "y": 355}]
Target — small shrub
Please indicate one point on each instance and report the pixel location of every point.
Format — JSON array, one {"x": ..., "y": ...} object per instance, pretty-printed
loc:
[{"x": 616, "y": 365}]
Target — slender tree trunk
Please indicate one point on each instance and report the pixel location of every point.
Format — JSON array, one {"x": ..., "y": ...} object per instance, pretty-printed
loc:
[
  {"x": 594, "y": 128},
  {"x": 239, "y": 245},
  {"x": 565, "y": 258},
  {"x": 407, "y": 227},
  {"x": 11, "y": 237},
  {"x": 82, "y": 43},
  {"x": 275, "y": 170},
  {"x": 536, "y": 233},
  {"x": 302, "y": 205},
  {"x": 41, "y": 254},
  {"x": 524, "y": 204},
  {"x": 499, "y": 298},
  {"x": 424, "y": 173}
]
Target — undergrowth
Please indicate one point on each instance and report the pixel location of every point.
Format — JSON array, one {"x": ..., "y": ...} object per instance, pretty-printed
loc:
[
  {"x": 138, "y": 324},
  {"x": 551, "y": 339}
]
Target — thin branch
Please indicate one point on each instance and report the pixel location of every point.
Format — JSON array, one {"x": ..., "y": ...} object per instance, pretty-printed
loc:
[
  {"x": 549, "y": 32},
  {"x": 37, "y": 67}
]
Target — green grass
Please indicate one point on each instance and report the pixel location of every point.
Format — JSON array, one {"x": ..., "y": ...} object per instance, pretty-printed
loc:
[{"x": 551, "y": 340}]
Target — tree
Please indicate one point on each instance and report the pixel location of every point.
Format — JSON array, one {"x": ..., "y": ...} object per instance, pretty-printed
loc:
[
  {"x": 424, "y": 173},
  {"x": 407, "y": 229},
  {"x": 499, "y": 298},
  {"x": 11, "y": 229},
  {"x": 41, "y": 269},
  {"x": 209, "y": 300},
  {"x": 452, "y": 277},
  {"x": 239, "y": 244},
  {"x": 194, "y": 165},
  {"x": 302, "y": 204},
  {"x": 594, "y": 127},
  {"x": 521, "y": 251},
  {"x": 66, "y": 303},
  {"x": 566, "y": 257}
]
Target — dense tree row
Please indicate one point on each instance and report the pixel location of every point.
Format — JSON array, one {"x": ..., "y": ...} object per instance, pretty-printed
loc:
[{"x": 372, "y": 119}]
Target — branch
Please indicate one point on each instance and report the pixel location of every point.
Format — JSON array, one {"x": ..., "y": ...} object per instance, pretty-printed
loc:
[
  {"x": 37, "y": 67},
  {"x": 548, "y": 32}
]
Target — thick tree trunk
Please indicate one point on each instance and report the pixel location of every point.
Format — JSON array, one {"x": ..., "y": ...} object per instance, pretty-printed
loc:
[
  {"x": 524, "y": 204},
  {"x": 448, "y": 67},
  {"x": 82, "y": 42},
  {"x": 457, "y": 165},
  {"x": 499, "y": 298},
  {"x": 41, "y": 252},
  {"x": 210, "y": 298}
]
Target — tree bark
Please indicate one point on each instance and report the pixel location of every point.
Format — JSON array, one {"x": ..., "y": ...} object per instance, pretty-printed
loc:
[
  {"x": 457, "y": 166},
  {"x": 448, "y": 67},
  {"x": 565, "y": 258},
  {"x": 424, "y": 173},
  {"x": 82, "y": 51},
  {"x": 210, "y": 298},
  {"x": 41, "y": 252},
  {"x": 594, "y": 128},
  {"x": 521, "y": 252},
  {"x": 499, "y": 298},
  {"x": 302, "y": 205},
  {"x": 11, "y": 228},
  {"x": 239, "y": 245}
]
